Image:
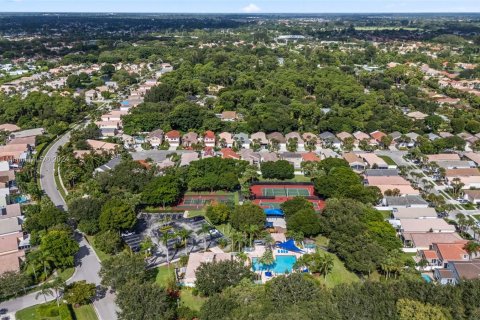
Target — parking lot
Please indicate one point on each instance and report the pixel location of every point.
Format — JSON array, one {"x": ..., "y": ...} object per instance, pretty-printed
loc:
[{"x": 156, "y": 225}]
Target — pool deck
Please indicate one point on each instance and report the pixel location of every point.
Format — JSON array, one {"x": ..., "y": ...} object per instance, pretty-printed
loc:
[{"x": 259, "y": 250}]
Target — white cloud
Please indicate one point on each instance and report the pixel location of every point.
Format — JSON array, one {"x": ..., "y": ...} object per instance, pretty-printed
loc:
[{"x": 251, "y": 8}]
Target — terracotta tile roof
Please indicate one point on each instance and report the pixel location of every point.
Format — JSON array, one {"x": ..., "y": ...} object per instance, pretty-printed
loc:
[
  {"x": 390, "y": 180},
  {"x": 174, "y": 134},
  {"x": 310, "y": 157},
  {"x": 377, "y": 135},
  {"x": 228, "y": 153},
  {"x": 443, "y": 157},
  {"x": 464, "y": 172},
  {"x": 351, "y": 157},
  {"x": 451, "y": 251},
  {"x": 429, "y": 254},
  {"x": 209, "y": 134}
]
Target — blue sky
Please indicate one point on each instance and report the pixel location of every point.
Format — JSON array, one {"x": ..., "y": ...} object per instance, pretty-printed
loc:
[{"x": 237, "y": 6}]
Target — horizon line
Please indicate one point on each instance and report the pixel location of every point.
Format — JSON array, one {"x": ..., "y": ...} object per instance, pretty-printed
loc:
[{"x": 248, "y": 13}]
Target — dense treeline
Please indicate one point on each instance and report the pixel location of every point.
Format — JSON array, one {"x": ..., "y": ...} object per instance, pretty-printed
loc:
[
  {"x": 37, "y": 109},
  {"x": 300, "y": 297}
]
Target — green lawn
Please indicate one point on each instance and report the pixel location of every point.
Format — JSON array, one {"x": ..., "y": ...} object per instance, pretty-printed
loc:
[
  {"x": 339, "y": 274},
  {"x": 164, "y": 273},
  {"x": 196, "y": 213},
  {"x": 85, "y": 313},
  {"x": 101, "y": 255},
  {"x": 66, "y": 274},
  {"x": 186, "y": 296},
  {"x": 191, "y": 301},
  {"x": 388, "y": 160},
  {"x": 477, "y": 216},
  {"x": 33, "y": 313}
]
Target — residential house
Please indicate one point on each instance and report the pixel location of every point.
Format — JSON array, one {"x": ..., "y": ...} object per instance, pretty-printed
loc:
[
  {"x": 470, "y": 177},
  {"x": 381, "y": 172},
  {"x": 173, "y": 138},
  {"x": 189, "y": 139},
  {"x": 330, "y": 140},
  {"x": 373, "y": 161},
  {"x": 209, "y": 139},
  {"x": 15, "y": 154},
  {"x": 276, "y": 138},
  {"x": 425, "y": 226},
  {"x": 443, "y": 157},
  {"x": 296, "y": 136},
  {"x": 424, "y": 241},
  {"x": 310, "y": 156},
  {"x": 294, "y": 158},
  {"x": 225, "y": 140},
  {"x": 377, "y": 135},
  {"x": 450, "y": 252},
  {"x": 473, "y": 156},
  {"x": 30, "y": 141},
  {"x": 472, "y": 196},
  {"x": 259, "y": 138},
  {"x": 230, "y": 116},
  {"x": 113, "y": 115},
  {"x": 266, "y": 156},
  {"x": 109, "y": 165},
  {"x": 155, "y": 138},
  {"x": 195, "y": 259},
  {"x": 102, "y": 146},
  {"x": 344, "y": 135},
  {"x": 90, "y": 96},
  {"x": 417, "y": 115},
  {"x": 187, "y": 158},
  {"x": 228, "y": 153},
  {"x": 27, "y": 133},
  {"x": 458, "y": 271},
  {"x": 405, "y": 202},
  {"x": 8, "y": 127},
  {"x": 12, "y": 240},
  {"x": 241, "y": 140},
  {"x": 355, "y": 162},
  {"x": 359, "y": 136},
  {"x": 459, "y": 164},
  {"x": 251, "y": 156},
  {"x": 414, "y": 213}
]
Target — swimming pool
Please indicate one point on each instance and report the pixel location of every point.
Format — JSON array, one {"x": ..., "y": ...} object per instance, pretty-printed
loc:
[
  {"x": 427, "y": 278},
  {"x": 283, "y": 264}
]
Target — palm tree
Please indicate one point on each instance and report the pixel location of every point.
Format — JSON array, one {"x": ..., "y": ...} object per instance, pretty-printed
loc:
[
  {"x": 237, "y": 238},
  {"x": 185, "y": 234},
  {"x": 45, "y": 291},
  {"x": 472, "y": 248},
  {"x": 57, "y": 285},
  {"x": 205, "y": 230},
  {"x": 242, "y": 256},
  {"x": 267, "y": 258},
  {"x": 252, "y": 231},
  {"x": 326, "y": 265},
  {"x": 165, "y": 237}
]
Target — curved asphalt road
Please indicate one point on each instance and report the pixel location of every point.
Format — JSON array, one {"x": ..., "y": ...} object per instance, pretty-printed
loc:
[{"x": 87, "y": 264}]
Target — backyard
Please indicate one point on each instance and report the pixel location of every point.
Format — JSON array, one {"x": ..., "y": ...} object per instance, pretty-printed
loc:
[{"x": 187, "y": 297}]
